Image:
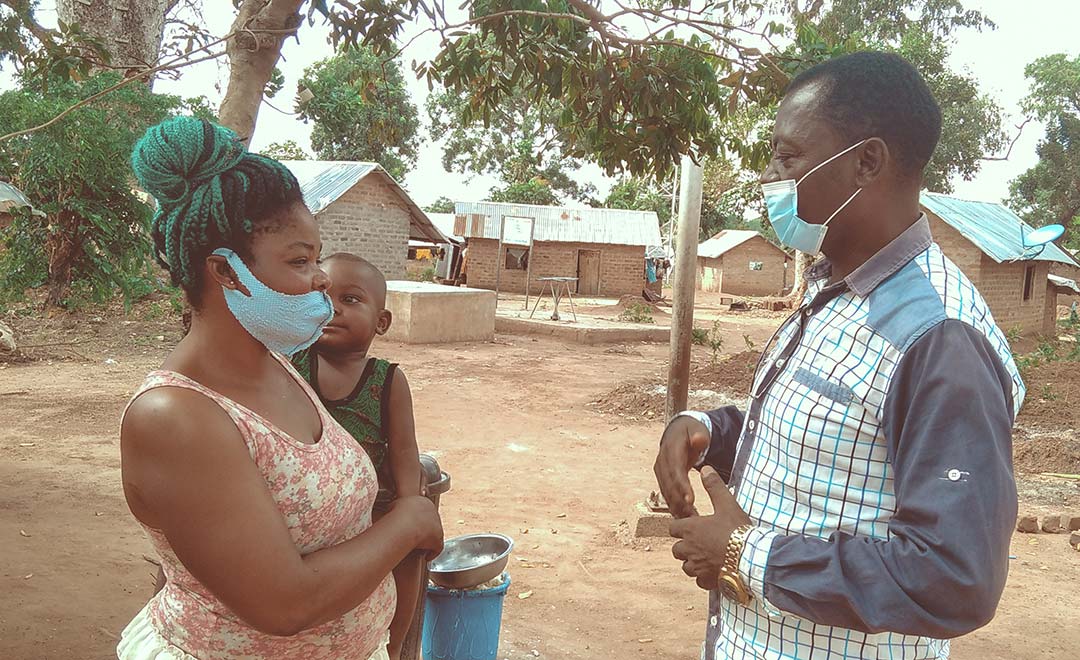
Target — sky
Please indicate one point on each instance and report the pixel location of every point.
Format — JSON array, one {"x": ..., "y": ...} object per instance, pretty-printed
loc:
[{"x": 1025, "y": 31}]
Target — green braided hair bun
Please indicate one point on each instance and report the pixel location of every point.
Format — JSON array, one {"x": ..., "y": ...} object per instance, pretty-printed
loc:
[{"x": 211, "y": 192}]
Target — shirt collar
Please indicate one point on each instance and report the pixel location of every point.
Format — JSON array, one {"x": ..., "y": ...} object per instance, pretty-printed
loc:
[{"x": 889, "y": 259}]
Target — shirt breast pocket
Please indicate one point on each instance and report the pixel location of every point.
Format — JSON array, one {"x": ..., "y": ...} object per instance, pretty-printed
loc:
[{"x": 837, "y": 392}]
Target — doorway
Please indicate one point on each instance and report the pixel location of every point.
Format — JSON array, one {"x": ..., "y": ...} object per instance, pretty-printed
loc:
[{"x": 588, "y": 272}]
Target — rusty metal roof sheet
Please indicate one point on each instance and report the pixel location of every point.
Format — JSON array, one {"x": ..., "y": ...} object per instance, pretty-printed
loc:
[{"x": 563, "y": 225}]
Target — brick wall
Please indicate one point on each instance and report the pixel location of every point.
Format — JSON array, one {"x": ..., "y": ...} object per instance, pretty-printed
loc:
[
  {"x": 1001, "y": 285},
  {"x": 731, "y": 273},
  {"x": 1049, "y": 322},
  {"x": 622, "y": 267},
  {"x": 963, "y": 252},
  {"x": 369, "y": 220}
]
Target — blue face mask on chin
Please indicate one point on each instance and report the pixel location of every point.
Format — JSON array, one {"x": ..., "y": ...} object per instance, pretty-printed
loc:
[
  {"x": 281, "y": 322},
  {"x": 782, "y": 202}
]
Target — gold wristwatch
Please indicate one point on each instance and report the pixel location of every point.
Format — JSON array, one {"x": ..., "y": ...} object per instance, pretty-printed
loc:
[{"x": 730, "y": 584}]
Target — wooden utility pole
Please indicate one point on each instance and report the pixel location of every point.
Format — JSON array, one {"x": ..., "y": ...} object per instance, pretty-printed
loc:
[{"x": 682, "y": 313}]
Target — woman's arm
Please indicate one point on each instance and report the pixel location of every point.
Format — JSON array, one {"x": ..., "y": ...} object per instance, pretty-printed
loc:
[{"x": 187, "y": 472}]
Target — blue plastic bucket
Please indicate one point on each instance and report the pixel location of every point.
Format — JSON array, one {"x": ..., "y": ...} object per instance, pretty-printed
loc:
[{"x": 463, "y": 624}]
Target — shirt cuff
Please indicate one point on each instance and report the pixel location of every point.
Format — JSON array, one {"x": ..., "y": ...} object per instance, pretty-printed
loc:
[
  {"x": 752, "y": 564},
  {"x": 704, "y": 419}
]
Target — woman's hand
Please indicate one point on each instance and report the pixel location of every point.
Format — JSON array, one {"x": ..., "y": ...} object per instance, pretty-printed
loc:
[{"x": 421, "y": 513}]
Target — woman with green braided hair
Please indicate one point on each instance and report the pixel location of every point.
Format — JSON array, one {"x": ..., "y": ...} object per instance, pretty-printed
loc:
[{"x": 257, "y": 502}]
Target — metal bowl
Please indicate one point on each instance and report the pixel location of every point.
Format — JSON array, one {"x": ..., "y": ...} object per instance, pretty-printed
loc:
[{"x": 469, "y": 560}]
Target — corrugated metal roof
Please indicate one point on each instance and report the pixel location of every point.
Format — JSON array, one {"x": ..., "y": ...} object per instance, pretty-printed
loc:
[
  {"x": 992, "y": 227},
  {"x": 724, "y": 241},
  {"x": 444, "y": 222},
  {"x": 1063, "y": 282},
  {"x": 324, "y": 181},
  {"x": 13, "y": 198},
  {"x": 564, "y": 225}
]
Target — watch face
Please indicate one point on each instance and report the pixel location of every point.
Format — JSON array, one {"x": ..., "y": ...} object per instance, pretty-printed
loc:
[
  {"x": 733, "y": 589},
  {"x": 727, "y": 586}
]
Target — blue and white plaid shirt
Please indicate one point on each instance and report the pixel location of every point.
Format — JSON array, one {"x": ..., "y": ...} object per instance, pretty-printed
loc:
[{"x": 875, "y": 458}]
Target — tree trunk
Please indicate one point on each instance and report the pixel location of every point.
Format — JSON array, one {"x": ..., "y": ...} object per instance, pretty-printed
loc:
[
  {"x": 62, "y": 249},
  {"x": 131, "y": 30},
  {"x": 252, "y": 56}
]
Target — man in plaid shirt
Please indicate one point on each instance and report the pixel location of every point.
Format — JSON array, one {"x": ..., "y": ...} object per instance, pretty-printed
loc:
[{"x": 869, "y": 496}]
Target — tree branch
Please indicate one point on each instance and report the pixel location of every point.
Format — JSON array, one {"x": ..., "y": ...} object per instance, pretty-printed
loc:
[
  {"x": 1019, "y": 132},
  {"x": 22, "y": 12},
  {"x": 175, "y": 63}
]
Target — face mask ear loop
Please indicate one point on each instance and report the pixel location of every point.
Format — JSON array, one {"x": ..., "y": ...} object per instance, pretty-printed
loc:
[
  {"x": 837, "y": 211},
  {"x": 825, "y": 162}
]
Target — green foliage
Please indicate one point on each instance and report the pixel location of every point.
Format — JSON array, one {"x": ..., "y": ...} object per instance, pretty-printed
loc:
[
  {"x": 919, "y": 30},
  {"x": 637, "y": 313},
  {"x": 749, "y": 342},
  {"x": 95, "y": 238},
  {"x": 275, "y": 84},
  {"x": 715, "y": 341},
  {"x": 45, "y": 56},
  {"x": 1072, "y": 322},
  {"x": 637, "y": 194},
  {"x": 287, "y": 150},
  {"x": 699, "y": 337},
  {"x": 1055, "y": 86},
  {"x": 519, "y": 141},
  {"x": 889, "y": 20},
  {"x": 631, "y": 106},
  {"x": 534, "y": 191},
  {"x": 971, "y": 121},
  {"x": 441, "y": 205},
  {"x": 361, "y": 110},
  {"x": 426, "y": 275},
  {"x": 23, "y": 264},
  {"x": 1049, "y": 192}
]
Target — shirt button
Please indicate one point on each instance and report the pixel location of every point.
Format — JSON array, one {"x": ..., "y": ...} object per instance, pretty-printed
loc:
[
  {"x": 954, "y": 475},
  {"x": 780, "y": 363},
  {"x": 751, "y": 425}
]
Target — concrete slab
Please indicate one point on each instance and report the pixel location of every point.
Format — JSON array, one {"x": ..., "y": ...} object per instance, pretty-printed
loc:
[
  {"x": 581, "y": 334},
  {"x": 428, "y": 313}
]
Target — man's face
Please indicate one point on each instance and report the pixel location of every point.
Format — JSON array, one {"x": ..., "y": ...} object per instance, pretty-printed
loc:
[{"x": 801, "y": 141}]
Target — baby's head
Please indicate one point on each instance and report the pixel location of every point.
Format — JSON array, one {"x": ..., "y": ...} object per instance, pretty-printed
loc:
[{"x": 358, "y": 291}]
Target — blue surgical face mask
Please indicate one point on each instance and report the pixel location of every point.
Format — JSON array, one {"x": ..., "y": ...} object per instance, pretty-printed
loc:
[
  {"x": 281, "y": 322},
  {"x": 782, "y": 202}
]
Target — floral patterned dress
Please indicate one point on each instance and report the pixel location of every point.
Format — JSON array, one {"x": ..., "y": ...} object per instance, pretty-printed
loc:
[{"x": 325, "y": 492}]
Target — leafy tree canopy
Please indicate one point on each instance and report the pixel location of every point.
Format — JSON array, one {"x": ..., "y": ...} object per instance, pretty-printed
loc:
[{"x": 361, "y": 110}]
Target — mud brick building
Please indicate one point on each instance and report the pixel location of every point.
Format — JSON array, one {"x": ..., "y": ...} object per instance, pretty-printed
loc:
[
  {"x": 742, "y": 263},
  {"x": 603, "y": 248},
  {"x": 986, "y": 240},
  {"x": 361, "y": 209}
]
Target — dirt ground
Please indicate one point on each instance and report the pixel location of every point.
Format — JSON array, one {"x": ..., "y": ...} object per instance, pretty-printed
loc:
[{"x": 515, "y": 422}]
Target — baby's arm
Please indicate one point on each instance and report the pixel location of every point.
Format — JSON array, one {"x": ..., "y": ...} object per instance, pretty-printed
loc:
[{"x": 404, "y": 457}]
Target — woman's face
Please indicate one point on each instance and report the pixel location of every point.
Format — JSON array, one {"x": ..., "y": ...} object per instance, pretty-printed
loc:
[{"x": 285, "y": 254}]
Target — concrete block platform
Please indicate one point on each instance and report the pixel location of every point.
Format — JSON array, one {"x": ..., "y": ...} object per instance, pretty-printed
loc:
[
  {"x": 580, "y": 333},
  {"x": 428, "y": 313}
]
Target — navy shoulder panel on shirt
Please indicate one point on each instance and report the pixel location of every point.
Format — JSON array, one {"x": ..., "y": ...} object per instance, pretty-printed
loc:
[{"x": 905, "y": 306}]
